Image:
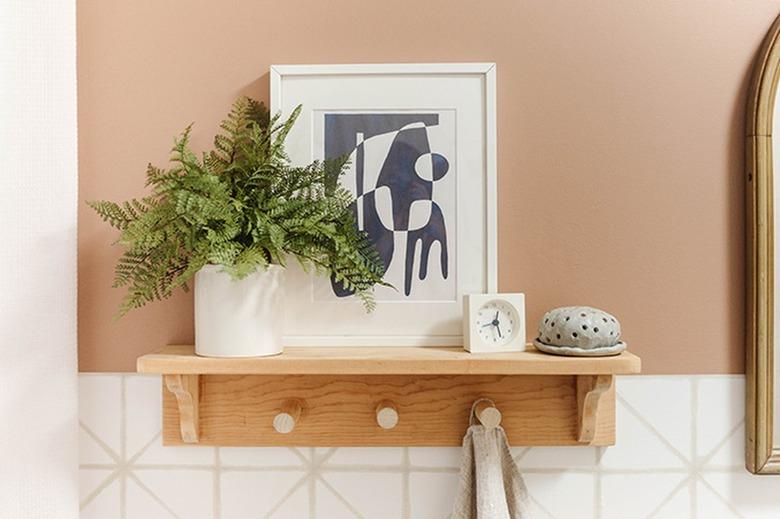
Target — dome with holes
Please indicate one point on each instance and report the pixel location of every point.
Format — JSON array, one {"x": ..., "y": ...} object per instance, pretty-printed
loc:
[{"x": 579, "y": 330}]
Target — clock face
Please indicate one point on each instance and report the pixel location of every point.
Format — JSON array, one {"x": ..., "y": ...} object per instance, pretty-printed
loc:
[{"x": 497, "y": 323}]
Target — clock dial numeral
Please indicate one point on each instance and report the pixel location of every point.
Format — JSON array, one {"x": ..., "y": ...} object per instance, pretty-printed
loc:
[{"x": 495, "y": 323}]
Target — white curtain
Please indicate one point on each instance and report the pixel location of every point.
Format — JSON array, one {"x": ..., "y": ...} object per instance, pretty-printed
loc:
[{"x": 38, "y": 189}]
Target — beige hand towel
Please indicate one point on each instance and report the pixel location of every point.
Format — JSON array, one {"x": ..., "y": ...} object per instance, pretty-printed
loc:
[{"x": 491, "y": 486}]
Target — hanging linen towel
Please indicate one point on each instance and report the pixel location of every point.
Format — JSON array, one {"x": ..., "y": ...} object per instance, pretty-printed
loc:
[{"x": 491, "y": 486}]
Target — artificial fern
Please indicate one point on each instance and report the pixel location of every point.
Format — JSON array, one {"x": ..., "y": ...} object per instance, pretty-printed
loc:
[{"x": 243, "y": 206}]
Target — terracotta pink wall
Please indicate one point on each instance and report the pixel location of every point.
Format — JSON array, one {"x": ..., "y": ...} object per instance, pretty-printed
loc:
[{"x": 620, "y": 148}]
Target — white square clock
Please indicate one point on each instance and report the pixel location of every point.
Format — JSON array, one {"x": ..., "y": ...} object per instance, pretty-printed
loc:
[{"x": 493, "y": 322}]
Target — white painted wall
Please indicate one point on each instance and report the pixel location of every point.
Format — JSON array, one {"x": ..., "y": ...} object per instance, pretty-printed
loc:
[{"x": 38, "y": 187}]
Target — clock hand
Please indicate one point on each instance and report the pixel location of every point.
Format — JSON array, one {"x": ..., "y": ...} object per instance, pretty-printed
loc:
[
  {"x": 499, "y": 332},
  {"x": 488, "y": 324},
  {"x": 495, "y": 319}
]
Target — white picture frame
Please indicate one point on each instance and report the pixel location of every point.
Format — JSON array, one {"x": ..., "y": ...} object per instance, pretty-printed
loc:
[{"x": 460, "y": 99}]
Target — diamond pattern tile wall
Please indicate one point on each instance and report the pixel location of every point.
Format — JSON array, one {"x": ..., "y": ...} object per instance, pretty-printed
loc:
[{"x": 679, "y": 456}]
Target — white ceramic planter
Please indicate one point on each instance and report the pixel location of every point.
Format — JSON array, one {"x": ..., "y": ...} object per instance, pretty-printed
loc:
[{"x": 238, "y": 318}]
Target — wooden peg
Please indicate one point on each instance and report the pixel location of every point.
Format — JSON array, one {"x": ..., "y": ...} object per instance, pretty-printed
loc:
[
  {"x": 487, "y": 413},
  {"x": 386, "y": 414},
  {"x": 284, "y": 421}
]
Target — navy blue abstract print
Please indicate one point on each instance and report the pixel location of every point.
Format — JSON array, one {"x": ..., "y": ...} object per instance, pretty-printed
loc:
[{"x": 395, "y": 176}]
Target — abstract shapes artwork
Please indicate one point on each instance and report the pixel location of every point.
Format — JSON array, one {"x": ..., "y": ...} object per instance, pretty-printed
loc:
[
  {"x": 421, "y": 144},
  {"x": 403, "y": 175}
]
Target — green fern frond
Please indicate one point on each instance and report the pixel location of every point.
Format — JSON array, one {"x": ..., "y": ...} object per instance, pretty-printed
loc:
[
  {"x": 241, "y": 205},
  {"x": 111, "y": 213}
]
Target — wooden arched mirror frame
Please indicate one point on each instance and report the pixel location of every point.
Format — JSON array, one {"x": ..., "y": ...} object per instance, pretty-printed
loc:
[{"x": 763, "y": 323}]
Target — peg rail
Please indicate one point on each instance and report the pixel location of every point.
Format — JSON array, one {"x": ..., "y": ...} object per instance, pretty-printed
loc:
[{"x": 385, "y": 396}]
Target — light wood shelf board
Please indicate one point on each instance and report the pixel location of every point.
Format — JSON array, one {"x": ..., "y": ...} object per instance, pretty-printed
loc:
[
  {"x": 541, "y": 399},
  {"x": 386, "y": 361}
]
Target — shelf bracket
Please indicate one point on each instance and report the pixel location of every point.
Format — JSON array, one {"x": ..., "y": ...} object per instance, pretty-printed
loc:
[
  {"x": 590, "y": 396},
  {"x": 186, "y": 389}
]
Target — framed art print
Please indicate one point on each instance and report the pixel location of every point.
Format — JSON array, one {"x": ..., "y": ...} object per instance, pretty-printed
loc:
[{"x": 421, "y": 141}]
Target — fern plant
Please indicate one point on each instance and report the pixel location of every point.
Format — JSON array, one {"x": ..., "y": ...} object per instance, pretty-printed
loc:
[{"x": 242, "y": 206}]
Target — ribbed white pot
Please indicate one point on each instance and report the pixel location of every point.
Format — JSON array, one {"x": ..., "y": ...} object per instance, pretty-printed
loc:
[{"x": 238, "y": 318}]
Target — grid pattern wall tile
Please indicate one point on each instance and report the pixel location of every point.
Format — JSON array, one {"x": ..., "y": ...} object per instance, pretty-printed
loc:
[{"x": 679, "y": 455}]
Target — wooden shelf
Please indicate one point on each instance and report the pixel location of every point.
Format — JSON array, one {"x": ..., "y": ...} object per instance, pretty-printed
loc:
[
  {"x": 386, "y": 361},
  {"x": 333, "y": 396}
]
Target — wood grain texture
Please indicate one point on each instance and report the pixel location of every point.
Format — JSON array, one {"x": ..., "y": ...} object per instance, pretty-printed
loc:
[
  {"x": 592, "y": 391},
  {"x": 387, "y": 361},
  {"x": 186, "y": 390},
  {"x": 340, "y": 410}
]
